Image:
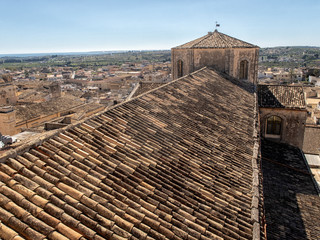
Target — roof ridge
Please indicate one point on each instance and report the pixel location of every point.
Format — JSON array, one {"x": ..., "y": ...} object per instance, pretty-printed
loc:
[
  {"x": 222, "y": 39},
  {"x": 166, "y": 84},
  {"x": 197, "y": 39},
  {"x": 240, "y": 40},
  {"x": 202, "y": 39},
  {"x": 47, "y": 135},
  {"x": 256, "y": 180}
]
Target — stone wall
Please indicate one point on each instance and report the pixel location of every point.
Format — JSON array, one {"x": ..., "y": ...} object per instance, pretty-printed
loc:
[
  {"x": 292, "y": 126},
  {"x": 215, "y": 58},
  {"x": 222, "y": 59},
  {"x": 7, "y": 121},
  {"x": 186, "y": 56},
  {"x": 249, "y": 54}
]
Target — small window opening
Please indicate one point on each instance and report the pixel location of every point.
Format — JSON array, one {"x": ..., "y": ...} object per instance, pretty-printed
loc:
[
  {"x": 244, "y": 69},
  {"x": 180, "y": 68},
  {"x": 274, "y": 125}
]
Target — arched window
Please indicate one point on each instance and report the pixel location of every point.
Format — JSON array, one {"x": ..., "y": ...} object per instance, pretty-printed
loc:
[
  {"x": 180, "y": 68},
  {"x": 244, "y": 69},
  {"x": 274, "y": 125}
]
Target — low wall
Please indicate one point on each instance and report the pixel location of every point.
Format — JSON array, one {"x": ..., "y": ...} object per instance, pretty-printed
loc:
[{"x": 41, "y": 119}]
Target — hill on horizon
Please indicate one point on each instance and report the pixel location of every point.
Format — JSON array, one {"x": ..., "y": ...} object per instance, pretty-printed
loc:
[{"x": 290, "y": 56}]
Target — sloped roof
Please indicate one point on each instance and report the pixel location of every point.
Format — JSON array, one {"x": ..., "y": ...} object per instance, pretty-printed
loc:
[
  {"x": 291, "y": 201},
  {"x": 281, "y": 96},
  {"x": 217, "y": 40},
  {"x": 174, "y": 163}
]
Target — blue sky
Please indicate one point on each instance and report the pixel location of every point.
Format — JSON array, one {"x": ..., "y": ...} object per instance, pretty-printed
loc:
[{"x": 35, "y": 26}]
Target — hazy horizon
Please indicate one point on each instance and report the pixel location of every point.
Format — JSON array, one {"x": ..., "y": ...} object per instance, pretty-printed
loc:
[{"x": 37, "y": 54}]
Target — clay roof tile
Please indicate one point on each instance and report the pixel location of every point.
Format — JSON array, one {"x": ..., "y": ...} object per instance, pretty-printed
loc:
[
  {"x": 16, "y": 210},
  {"x": 47, "y": 218},
  {"x": 8, "y": 233},
  {"x": 38, "y": 225},
  {"x": 32, "y": 234},
  {"x": 68, "y": 232},
  {"x": 14, "y": 223},
  {"x": 57, "y": 236},
  {"x": 65, "y": 137},
  {"x": 138, "y": 233},
  {"x": 15, "y": 164}
]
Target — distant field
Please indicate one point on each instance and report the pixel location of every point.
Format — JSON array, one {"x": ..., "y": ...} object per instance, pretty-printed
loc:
[
  {"x": 84, "y": 59},
  {"x": 289, "y": 57}
]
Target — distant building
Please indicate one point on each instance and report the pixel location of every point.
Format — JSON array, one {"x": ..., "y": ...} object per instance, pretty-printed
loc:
[
  {"x": 265, "y": 74},
  {"x": 263, "y": 58},
  {"x": 55, "y": 90},
  {"x": 311, "y": 144},
  {"x": 226, "y": 54},
  {"x": 314, "y": 80},
  {"x": 282, "y": 76},
  {"x": 7, "y": 94}
]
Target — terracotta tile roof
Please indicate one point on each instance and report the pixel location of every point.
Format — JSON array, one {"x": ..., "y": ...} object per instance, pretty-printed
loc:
[
  {"x": 281, "y": 96},
  {"x": 292, "y": 205},
  {"x": 217, "y": 40},
  {"x": 174, "y": 163}
]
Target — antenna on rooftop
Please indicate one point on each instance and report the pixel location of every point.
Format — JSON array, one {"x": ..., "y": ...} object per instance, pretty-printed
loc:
[{"x": 217, "y": 25}]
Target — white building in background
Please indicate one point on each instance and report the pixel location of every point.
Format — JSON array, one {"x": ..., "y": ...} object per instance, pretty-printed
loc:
[{"x": 315, "y": 80}]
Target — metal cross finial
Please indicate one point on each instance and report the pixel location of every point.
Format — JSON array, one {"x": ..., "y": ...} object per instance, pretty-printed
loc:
[{"x": 217, "y": 25}]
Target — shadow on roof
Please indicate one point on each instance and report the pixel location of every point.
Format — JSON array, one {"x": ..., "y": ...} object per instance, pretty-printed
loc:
[
  {"x": 290, "y": 198},
  {"x": 266, "y": 98}
]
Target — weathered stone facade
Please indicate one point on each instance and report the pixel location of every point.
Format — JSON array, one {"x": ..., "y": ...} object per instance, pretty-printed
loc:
[
  {"x": 287, "y": 105},
  {"x": 7, "y": 94},
  {"x": 55, "y": 90},
  {"x": 7, "y": 121},
  {"x": 221, "y": 52},
  {"x": 292, "y": 125}
]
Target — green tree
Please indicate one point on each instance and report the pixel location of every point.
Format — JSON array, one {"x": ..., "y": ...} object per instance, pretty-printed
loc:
[
  {"x": 316, "y": 72},
  {"x": 26, "y": 73},
  {"x": 292, "y": 74}
]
